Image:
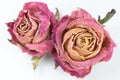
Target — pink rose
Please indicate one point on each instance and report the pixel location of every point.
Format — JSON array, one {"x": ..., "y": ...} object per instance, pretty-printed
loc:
[
  {"x": 81, "y": 42},
  {"x": 31, "y": 30}
]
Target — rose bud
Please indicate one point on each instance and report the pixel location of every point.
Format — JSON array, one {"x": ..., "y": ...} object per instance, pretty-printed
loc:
[
  {"x": 31, "y": 30},
  {"x": 80, "y": 42}
]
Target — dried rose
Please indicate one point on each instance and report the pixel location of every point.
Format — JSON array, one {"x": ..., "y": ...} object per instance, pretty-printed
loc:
[
  {"x": 81, "y": 42},
  {"x": 31, "y": 30}
]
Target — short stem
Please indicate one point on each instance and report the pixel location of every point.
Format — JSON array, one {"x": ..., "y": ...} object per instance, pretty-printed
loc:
[{"x": 108, "y": 16}]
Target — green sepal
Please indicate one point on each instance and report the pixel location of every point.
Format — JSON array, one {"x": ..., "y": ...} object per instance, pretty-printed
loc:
[
  {"x": 56, "y": 65},
  {"x": 35, "y": 62},
  {"x": 57, "y": 15},
  {"x": 11, "y": 42},
  {"x": 108, "y": 16}
]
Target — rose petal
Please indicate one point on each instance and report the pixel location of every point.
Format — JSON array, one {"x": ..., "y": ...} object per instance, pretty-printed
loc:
[
  {"x": 33, "y": 29},
  {"x": 108, "y": 46},
  {"x": 80, "y": 73},
  {"x": 23, "y": 40},
  {"x": 72, "y": 53},
  {"x": 10, "y": 30},
  {"x": 42, "y": 48},
  {"x": 34, "y": 7},
  {"x": 80, "y": 13},
  {"x": 42, "y": 32}
]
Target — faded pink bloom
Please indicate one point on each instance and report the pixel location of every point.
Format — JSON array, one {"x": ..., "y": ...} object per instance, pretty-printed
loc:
[
  {"x": 80, "y": 42},
  {"x": 31, "y": 30}
]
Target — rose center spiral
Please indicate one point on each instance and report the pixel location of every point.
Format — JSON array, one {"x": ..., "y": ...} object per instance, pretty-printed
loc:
[
  {"x": 80, "y": 43},
  {"x": 23, "y": 28},
  {"x": 84, "y": 40}
]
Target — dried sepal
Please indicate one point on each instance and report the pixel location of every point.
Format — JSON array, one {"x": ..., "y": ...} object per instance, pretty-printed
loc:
[
  {"x": 35, "y": 62},
  {"x": 57, "y": 15}
]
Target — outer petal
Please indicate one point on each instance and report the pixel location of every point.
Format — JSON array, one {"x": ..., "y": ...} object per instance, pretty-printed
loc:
[
  {"x": 34, "y": 7},
  {"x": 58, "y": 31},
  {"x": 10, "y": 30},
  {"x": 108, "y": 46},
  {"x": 80, "y": 73},
  {"x": 41, "y": 48},
  {"x": 80, "y": 13}
]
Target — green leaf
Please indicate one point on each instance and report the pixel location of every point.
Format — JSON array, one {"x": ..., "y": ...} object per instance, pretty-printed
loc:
[
  {"x": 35, "y": 62},
  {"x": 108, "y": 16},
  {"x": 57, "y": 15}
]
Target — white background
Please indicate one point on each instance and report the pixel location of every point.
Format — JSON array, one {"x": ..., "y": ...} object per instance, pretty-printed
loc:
[{"x": 15, "y": 65}]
